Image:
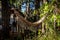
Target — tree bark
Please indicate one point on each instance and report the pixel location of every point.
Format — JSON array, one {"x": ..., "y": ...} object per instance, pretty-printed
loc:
[{"x": 5, "y": 18}]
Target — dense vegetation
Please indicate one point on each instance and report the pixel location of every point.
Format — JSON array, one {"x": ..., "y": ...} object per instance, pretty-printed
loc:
[{"x": 33, "y": 11}]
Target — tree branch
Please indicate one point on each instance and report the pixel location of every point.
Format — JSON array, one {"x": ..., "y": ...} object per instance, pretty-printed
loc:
[{"x": 27, "y": 22}]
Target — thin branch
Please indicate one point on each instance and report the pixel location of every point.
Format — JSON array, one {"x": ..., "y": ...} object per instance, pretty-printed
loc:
[{"x": 41, "y": 20}]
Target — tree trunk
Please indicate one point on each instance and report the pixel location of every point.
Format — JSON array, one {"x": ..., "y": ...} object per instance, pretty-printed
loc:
[
  {"x": 37, "y": 4},
  {"x": 5, "y": 18}
]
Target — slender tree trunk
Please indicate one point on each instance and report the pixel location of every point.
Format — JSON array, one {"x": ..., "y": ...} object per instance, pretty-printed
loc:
[
  {"x": 55, "y": 11},
  {"x": 37, "y": 4}
]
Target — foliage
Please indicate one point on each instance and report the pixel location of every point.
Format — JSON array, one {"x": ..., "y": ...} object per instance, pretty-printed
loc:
[
  {"x": 50, "y": 32},
  {"x": 46, "y": 8}
]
